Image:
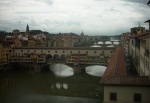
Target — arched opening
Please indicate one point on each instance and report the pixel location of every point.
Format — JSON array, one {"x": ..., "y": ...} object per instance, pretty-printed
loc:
[
  {"x": 49, "y": 57},
  {"x": 63, "y": 57},
  {"x": 56, "y": 57}
]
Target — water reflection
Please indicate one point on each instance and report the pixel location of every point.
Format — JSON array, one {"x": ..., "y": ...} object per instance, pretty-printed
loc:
[
  {"x": 59, "y": 86},
  {"x": 95, "y": 70},
  {"x": 18, "y": 86},
  {"x": 65, "y": 86},
  {"x": 61, "y": 70}
]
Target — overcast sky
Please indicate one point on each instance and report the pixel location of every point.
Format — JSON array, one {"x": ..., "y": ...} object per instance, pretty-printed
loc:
[{"x": 93, "y": 17}]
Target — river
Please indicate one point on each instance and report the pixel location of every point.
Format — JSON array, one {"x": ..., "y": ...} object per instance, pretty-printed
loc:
[{"x": 57, "y": 84}]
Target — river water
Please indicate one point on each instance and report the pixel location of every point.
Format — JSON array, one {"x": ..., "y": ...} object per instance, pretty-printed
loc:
[{"x": 56, "y": 85}]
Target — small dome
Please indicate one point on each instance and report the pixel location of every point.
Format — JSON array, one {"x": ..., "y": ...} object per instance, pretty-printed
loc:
[
  {"x": 116, "y": 43},
  {"x": 108, "y": 42},
  {"x": 100, "y": 42},
  {"x": 95, "y": 46}
]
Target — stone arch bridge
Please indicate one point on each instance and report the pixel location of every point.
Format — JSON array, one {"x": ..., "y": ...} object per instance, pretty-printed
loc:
[{"x": 74, "y": 55}]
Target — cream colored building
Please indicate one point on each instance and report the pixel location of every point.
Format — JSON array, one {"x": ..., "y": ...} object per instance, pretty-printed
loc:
[
  {"x": 138, "y": 46},
  {"x": 125, "y": 42},
  {"x": 61, "y": 41},
  {"x": 144, "y": 55},
  {"x": 126, "y": 94}
]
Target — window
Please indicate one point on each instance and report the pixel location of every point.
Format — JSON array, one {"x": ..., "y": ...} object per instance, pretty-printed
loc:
[
  {"x": 28, "y": 50},
  {"x": 86, "y": 52},
  {"x": 132, "y": 42},
  {"x": 137, "y": 97},
  {"x": 48, "y": 51},
  {"x": 55, "y": 51},
  {"x": 41, "y": 51},
  {"x": 113, "y": 96},
  {"x": 70, "y": 51},
  {"x": 21, "y": 50},
  {"x": 63, "y": 51},
  {"x": 111, "y": 51},
  {"x": 34, "y": 50},
  {"x": 138, "y": 29},
  {"x": 78, "y": 52},
  {"x": 94, "y": 51}
]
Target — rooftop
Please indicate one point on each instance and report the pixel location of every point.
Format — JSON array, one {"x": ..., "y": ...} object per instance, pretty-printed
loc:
[
  {"x": 116, "y": 73},
  {"x": 139, "y": 36}
]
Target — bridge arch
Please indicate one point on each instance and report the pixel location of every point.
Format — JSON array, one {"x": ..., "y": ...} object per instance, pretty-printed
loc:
[
  {"x": 63, "y": 57},
  {"x": 56, "y": 57},
  {"x": 48, "y": 57}
]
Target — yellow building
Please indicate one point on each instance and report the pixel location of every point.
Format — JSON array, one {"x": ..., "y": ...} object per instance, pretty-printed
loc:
[
  {"x": 31, "y": 43},
  {"x": 17, "y": 43},
  {"x": 5, "y": 55}
]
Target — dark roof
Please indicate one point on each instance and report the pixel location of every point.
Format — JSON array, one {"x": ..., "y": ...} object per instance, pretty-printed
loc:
[
  {"x": 116, "y": 73},
  {"x": 149, "y": 19}
]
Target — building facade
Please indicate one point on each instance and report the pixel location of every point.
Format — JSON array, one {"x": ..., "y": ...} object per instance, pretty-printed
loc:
[
  {"x": 138, "y": 48},
  {"x": 5, "y": 55},
  {"x": 58, "y": 53}
]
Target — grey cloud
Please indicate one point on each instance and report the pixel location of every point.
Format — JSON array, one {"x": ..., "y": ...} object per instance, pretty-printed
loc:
[
  {"x": 49, "y": 2},
  {"x": 112, "y": 9},
  {"x": 138, "y": 1},
  {"x": 30, "y": 12},
  {"x": 73, "y": 23}
]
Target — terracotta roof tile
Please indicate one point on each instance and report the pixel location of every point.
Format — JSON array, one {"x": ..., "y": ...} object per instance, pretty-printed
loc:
[
  {"x": 117, "y": 66},
  {"x": 129, "y": 80},
  {"x": 144, "y": 37},
  {"x": 139, "y": 35},
  {"x": 116, "y": 73}
]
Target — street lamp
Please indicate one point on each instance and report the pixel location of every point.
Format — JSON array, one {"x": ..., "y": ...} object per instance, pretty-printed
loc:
[{"x": 148, "y": 3}]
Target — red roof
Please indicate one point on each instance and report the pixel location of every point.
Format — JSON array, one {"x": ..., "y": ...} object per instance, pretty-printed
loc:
[
  {"x": 116, "y": 73},
  {"x": 128, "y": 81},
  {"x": 139, "y": 35},
  {"x": 144, "y": 37}
]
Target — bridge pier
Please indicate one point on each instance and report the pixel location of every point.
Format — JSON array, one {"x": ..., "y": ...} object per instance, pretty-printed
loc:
[
  {"x": 37, "y": 67},
  {"x": 77, "y": 68},
  {"x": 4, "y": 67}
]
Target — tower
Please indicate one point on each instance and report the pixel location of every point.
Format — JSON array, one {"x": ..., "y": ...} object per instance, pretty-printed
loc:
[
  {"x": 82, "y": 34},
  {"x": 27, "y": 29}
]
